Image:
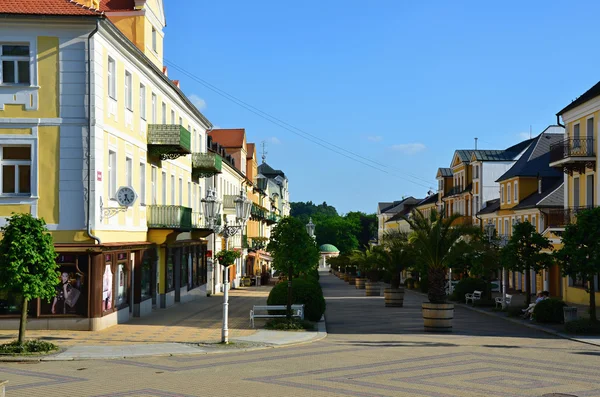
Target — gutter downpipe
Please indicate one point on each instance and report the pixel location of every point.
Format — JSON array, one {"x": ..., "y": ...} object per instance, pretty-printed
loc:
[
  {"x": 89, "y": 153},
  {"x": 558, "y": 121}
]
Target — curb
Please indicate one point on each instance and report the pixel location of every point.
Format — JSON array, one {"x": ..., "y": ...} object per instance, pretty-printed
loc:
[
  {"x": 515, "y": 321},
  {"x": 320, "y": 334}
]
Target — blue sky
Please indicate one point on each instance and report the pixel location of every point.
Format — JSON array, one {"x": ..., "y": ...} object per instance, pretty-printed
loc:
[{"x": 401, "y": 83}]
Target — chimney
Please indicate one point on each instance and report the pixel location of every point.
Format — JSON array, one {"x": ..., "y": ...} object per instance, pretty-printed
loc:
[
  {"x": 94, "y": 4},
  {"x": 165, "y": 71},
  {"x": 176, "y": 82},
  {"x": 475, "y": 143}
]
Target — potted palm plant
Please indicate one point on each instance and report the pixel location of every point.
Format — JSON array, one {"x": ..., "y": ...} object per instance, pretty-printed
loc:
[
  {"x": 433, "y": 238},
  {"x": 366, "y": 261},
  {"x": 394, "y": 256}
]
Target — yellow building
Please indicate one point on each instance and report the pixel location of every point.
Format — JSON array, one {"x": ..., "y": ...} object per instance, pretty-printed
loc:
[
  {"x": 576, "y": 156},
  {"x": 97, "y": 140}
]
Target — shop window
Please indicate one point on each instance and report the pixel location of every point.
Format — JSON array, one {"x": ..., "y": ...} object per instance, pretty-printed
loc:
[
  {"x": 170, "y": 281},
  {"x": 15, "y": 64},
  {"x": 71, "y": 292},
  {"x": 577, "y": 281},
  {"x": 16, "y": 170},
  {"x": 122, "y": 281},
  {"x": 107, "y": 283},
  {"x": 146, "y": 276}
]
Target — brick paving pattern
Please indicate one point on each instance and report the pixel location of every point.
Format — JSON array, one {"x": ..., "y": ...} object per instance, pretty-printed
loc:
[{"x": 371, "y": 351}]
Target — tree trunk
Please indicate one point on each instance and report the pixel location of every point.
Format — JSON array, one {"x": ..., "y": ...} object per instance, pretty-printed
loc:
[
  {"x": 528, "y": 286},
  {"x": 23, "y": 323},
  {"x": 592, "y": 300},
  {"x": 436, "y": 290},
  {"x": 289, "y": 298}
]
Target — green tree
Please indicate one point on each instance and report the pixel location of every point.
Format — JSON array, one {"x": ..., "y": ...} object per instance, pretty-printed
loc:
[
  {"x": 366, "y": 226},
  {"x": 304, "y": 211},
  {"x": 523, "y": 253},
  {"x": 580, "y": 254},
  {"x": 395, "y": 255},
  {"x": 434, "y": 238},
  {"x": 366, "y": 261},
  {"x": 27, "y": 262},
  {"x": 293, "y": 251},
  {"x": 337, "y": 231}
]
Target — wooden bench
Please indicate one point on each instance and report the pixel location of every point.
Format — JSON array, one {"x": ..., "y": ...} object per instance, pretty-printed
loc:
[
  {"x": 263, "y": 312},
  {"x": 506, "y": 301},
  {"x": 475, "y": 296}
]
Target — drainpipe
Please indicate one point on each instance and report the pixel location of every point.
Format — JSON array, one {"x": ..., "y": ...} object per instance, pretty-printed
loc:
[
  {"x": 558, "y": 121},
  {"x": 89, "y": 153}
]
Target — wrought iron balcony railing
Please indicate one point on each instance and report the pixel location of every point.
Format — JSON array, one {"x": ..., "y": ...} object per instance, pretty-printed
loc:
[
  {"x": 168, "y": 141},
  {"x": 200, "y": 222},
  {"x": 572, "y": 148},
  {"x": 205, "y": 165},
  {"x": 169, "y": 217},
  {"x": 561, "y": 217}
]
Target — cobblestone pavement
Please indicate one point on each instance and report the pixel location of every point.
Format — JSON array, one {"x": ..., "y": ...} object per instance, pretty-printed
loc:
[
  {"x": 371, "y": 351},
  {"x": 195, "y": 321}
]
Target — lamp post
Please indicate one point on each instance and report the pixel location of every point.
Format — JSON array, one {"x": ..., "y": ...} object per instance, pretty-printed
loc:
[
  {"x": 310, "y": 228},
  {"x": 490, "y": 230},
  {"x": 242, "y": 213}
]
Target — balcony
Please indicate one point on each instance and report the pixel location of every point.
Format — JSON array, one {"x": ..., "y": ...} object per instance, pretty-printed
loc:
[
  {"x": 573, "y": 154},
  {"x": 168, "y": 141},
  {"x": 205, "y": 165},
  {"x": 559, "y": 218},
  {"x": 258, "y": 213},
  {"x": 229, "y": 202},
  {"x": 463, "y": 220},
  {"x": 169, "y": 217},
  {"x": 454, "y": 191},
  {"x": 272, "y": 218},
  {"x": 200, "y": 223}
]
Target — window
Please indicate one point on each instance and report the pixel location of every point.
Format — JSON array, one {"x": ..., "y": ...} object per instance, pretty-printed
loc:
[
  {"x": 143, "y": 101},
  {"x": 589, "y": 190},
  {"x": 476, "y": 205},
  {"x": 128, "y": 93},
  {"x": 180, "y": 121},
  {"x": 476, "y": 171},
  {"x": 534, "y": 222},
  {"x": 16, "y": 170},
  {"x": 164, "y": 188},
  {"x": 164, "y": 113},
  {"x": 189, "y": 194},
  {"x": 172, "y": 117},
  {"x": 153, "y": 39},
  {"x": 539, "y": 186},
  {"x": 516, "y": 191},
  {"x": 112, "y": 174},
  {"x": 153, "y": 182},
  {"x": 576, "y": 136},
  {"x": 180, "y": 191},
  {"x": 506, "y": 231},
  {"x": 172, "y": 189},
  {"x": 128, "y": 171},
  {"x": 15, "y": 64},
  {"x": 142, "y": 183},
  {"x": 576, "y": 192},
  {"x": 508, "y": 195},
  {"x": 112, "y": 79},
  {"x": 153, "y": 108},
  {"x": 501, "y": 194}
]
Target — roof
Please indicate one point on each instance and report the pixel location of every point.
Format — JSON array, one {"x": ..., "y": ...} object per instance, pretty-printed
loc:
[
  {"x": 491, "y": 207},
  {"x": 404, "y": 208},
  {"x": 432, "y": 199},
  {"x": 46, "y": 7},
  {"x": 507, "y": 154},
  {"x": 117, "y": 5},
  {"x": 583, "y": 98},
  {"x": 229, "y": 138},
  {"x": 536, "y": 159},
  {"x": 328, "y": 248},
  {"x": 552, "y": 195},
  {"x": 267, "y": 170},
  {"x": 394, "y": 206},
  {"x": 445, "y": 172}
]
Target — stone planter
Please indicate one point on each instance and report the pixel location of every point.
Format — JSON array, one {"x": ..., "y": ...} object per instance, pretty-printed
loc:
[
  {"x": 372, "y": 289},
  {"x": 360, "y": 283},
  {"x": 394, "y": 297},
  {"x": 437, "y": 317}
]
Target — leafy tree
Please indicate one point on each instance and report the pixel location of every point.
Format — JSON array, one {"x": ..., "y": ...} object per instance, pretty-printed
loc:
[
  {"x": 434, "y": 238},
  {"x": 293, "y": 250},
  {"x": 27, "y": 262},
  {"x": 339, "y": 232},
  {"x": 366, "y": 226},
  {"x": 304, "y": 211},
  {"x": 523, "y": 253},
  {"x": 580, "y": 254},
  {"x": 339, "y": 263}
]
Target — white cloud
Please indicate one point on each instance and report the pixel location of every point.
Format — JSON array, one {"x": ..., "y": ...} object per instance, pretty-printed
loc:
[
  {"x": 524, "y": 135},
  {"x": 274, "y": 140},
  {"x": 408, "y": 148},
  {"x": 375, "y": 138},
  {"x": 198, "y": 102}
]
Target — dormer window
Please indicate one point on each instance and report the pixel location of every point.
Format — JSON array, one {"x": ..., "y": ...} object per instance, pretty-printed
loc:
[{"x": 539, "y": 186}]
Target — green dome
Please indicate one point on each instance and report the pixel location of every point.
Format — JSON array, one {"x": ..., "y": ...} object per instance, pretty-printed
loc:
[{"x": 328, "y": 248}]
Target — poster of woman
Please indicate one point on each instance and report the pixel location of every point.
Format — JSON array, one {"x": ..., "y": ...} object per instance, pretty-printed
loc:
[
  {"x": 107, "y": 287},
  {"x": 70, "y": 297}
]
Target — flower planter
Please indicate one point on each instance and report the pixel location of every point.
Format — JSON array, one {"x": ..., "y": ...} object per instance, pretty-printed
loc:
[
  {"x": 372, "y": 289},
  {"x": 437, "y": 317},
  {"x": 394, "y": 297},
  {"x": 360, "y": 283}
]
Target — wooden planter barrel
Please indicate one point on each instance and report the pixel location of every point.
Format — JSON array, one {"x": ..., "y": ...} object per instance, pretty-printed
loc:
[
  {"x": 372, "y": 289},
  {"x": 346, "y": 277},
  {"x": 394, "y": 297},
  {"x": 437, "y": 317},
  {"x": 360, "y": 282},
  {"x": 351, "y": 280}
]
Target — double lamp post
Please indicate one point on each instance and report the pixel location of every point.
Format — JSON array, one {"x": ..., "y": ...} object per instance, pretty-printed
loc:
[
  {"x": 490, "y": 230},
  {"x": 212, "y": 212}
]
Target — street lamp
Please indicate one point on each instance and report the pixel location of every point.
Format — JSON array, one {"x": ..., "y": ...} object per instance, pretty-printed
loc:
[
  {"x": 212, "y": 206},
  {"x": 310, "y": 228},
  {"x": 490, "y": 229}
]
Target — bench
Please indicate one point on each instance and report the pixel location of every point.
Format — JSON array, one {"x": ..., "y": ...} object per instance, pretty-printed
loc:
[
  {"x": 475, "y": 296},
  {"x": 506, "y": 301},
  {"x": 263, "y": 312}
]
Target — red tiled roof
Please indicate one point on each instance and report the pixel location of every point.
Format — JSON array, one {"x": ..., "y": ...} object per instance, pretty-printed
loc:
[
  {"x": 45, "y": 7},
  {"x": 117, "y": 5},
  {"x": 229, "y": 138}
]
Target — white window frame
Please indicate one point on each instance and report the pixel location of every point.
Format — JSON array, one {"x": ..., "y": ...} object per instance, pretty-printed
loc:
[
  {"x": 153, "y": 182},
  {"x": 16, "y": 59},
  {"x": 112, "y": 78},
  {"x": 164, "y": 188},
  {"x": 516, "y": 191},
  {"x": 142, "y": 101},
  {"x": 189, "y": 194},
  {"x": 172, "y": 116},
  {"x": 172, "y": 189},
  {"x": 112, "y": 173},
  {"x": 180, "y": 193},
  {"x": 128, "y": 91},
  {"x": 501, "y": 194},
  {"x": 142, "y": 183},
  {"x": 17, "y": 164},
  {"x": 154, "y": 39},
  {"x": 128, "y": 171},
  {"x": 164, "y": 113},
  {"x": 508, "y": 193},
  {"x": 154, "y": 109},
  {"x": 534, "y": 222}
]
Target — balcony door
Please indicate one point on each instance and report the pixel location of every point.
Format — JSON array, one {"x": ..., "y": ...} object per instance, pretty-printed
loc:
[
  {"x": 575, "y": 193},
  {"x": 589, "y": 191}
]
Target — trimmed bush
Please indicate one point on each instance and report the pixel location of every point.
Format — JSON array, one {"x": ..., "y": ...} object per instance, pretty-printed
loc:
[
  {"x": 307, "y": 292},
  {"x": 31, "y": 346},
  {"x": 283, "y": 324},
  {"x": 583, "y": 326},
  {"x": 467, "y": 286},
  {"x": 549, "y": 311}
]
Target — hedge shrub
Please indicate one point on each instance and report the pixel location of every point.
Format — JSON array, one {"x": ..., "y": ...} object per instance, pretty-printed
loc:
[
  {"x": 583, "y": 326},
  {"x": 467, "y": 286},
  {"x": 304, "y": 291},
  {"x": 549, "y": 311}
]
